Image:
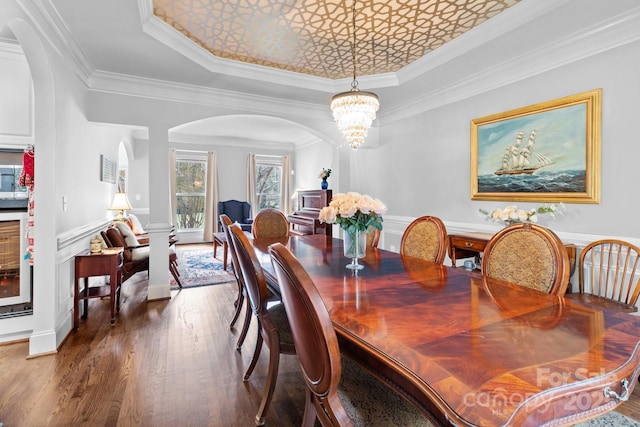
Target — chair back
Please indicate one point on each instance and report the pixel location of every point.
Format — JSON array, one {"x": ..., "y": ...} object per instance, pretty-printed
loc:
[
  {"x": 252, "y": 274},
  {"x": 373, "y": 237},
  {"x": 313, "y": 334},
  {"x": 114, "y": 238},
  {"x": 270, "y": 223},
  {"x": 610, "y": 268},
  {"x": 226, "y": 223},
  {"x": 236, "y": 210},
  {"x": 425, "y": 238},
  {"x": 528, "y": 255}
]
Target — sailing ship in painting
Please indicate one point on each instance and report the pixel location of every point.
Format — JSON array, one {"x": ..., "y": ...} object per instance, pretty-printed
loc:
[{"x": 522, "y": 159}]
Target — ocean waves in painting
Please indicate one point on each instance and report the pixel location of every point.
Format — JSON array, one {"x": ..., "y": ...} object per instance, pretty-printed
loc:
[{"x": 539, "y": 182}]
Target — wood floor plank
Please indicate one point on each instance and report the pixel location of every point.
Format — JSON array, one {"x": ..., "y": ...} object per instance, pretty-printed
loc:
[{"x": 164, "y": 363}]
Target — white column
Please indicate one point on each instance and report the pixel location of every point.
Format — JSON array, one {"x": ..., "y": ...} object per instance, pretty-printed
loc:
[{"x": 159, "y": 218}]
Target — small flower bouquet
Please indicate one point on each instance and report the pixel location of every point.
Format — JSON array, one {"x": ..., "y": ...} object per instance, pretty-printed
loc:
[
  {"x": 511, "y": 214},
  {"x": 353, "y": 211},
  {"x": 326, "y": 173}
]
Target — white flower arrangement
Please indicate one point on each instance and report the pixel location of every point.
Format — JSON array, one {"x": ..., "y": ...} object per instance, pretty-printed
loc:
[
  {"x": 326, "y": 173},
  {"x": 511, "y": 214},
  {"x": 353, "y": 211}
]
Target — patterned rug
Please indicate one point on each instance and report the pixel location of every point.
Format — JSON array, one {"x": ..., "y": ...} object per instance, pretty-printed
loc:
[{"x": 199, "y": 268}]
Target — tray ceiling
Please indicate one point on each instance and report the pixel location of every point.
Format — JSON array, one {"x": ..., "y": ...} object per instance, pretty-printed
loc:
[{"x": 314, "y": 37}]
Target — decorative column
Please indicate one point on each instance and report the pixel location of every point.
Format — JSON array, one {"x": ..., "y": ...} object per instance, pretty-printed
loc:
[{"x": 159, "y": 225}]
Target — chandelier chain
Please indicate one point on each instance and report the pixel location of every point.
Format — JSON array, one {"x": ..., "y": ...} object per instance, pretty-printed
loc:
[
  {"x": 354, "y": 111},
  {"x": 354, "y": 85}
]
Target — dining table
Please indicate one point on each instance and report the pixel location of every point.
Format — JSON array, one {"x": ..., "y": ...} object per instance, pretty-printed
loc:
[{"x": 468, "y": 349}]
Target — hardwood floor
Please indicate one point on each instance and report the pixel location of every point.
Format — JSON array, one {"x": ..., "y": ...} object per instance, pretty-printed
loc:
[{"x": 164, "y": 363}]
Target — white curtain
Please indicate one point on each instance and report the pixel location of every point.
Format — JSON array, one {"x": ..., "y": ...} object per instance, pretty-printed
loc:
[
  {"x": 286, "y": 185},
  {"x": 251, "y": 183},
  {"x": 211, "y": 198},
  {"x": 173, "y": 201}
]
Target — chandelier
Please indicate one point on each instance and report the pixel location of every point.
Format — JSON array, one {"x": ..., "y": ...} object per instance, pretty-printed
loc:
[{"x": 355, "y": 110}]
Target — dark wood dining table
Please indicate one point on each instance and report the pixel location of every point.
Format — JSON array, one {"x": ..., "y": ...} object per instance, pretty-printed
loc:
[{"x": 471, "y": 351}]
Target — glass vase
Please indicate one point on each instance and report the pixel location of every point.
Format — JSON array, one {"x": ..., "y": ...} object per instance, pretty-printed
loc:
[
  {"x": 324, "y": 184},
  {"x": 355, "y": 247}
]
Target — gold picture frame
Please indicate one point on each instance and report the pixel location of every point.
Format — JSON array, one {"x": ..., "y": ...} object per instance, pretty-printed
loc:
[{"x": 547, "y": 152}]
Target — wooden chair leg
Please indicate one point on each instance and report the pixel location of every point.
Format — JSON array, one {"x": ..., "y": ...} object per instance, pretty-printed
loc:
[
  {"x": 245, "y": 327},
  {"x": 256, "y": 355},
  {"x": 237, "y": 304},
  {"x": 272, "y": 376},
  {"x": 309, "y": 417},
  {"x": 176, "y": 274}
]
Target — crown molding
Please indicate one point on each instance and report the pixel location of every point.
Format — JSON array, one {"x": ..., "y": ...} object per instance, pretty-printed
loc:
[
  {"x": 122, "y": 84},
  {"x": 49, "y": 23},
  {"x": 164, "y": 33},
  {"x": 603, "y": 36},
  {"x": 501, "y": 24}
]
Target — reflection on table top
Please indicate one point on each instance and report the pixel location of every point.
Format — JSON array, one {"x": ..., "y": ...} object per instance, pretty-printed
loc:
[{"x": 472, "y": 351}]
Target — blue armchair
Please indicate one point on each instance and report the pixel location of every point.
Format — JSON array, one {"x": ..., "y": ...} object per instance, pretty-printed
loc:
[{"x": 237, "y": 211}]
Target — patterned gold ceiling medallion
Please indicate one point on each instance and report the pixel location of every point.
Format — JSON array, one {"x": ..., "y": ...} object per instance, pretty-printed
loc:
[{"x": 313, "y": 36}]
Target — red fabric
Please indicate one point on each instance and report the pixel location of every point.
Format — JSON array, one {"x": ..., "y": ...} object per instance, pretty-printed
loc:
[{"x": 28, "y": 169}]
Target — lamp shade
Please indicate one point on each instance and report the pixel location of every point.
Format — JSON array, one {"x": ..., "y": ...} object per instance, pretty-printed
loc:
[{"x": 120, "y": 202}]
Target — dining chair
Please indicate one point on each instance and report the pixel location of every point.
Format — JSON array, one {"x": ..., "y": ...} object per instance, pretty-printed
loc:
[
  {"x": 273, "y": 325},
  {"x": 226, "y": 222},
  {"x": 373, "y": 237},
  {"x": 338, "y": 391},
  {"x": 270, "y": 223},
  {"x": 610, "y": 269},
  {"x": 528, "y": 255},
  {"x": 425, "y": 238}
]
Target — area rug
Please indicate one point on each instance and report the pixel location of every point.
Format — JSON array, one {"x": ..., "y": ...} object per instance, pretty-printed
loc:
[
  {"x": 610, "y": 419},
  {"x": 199, "y": 268}
]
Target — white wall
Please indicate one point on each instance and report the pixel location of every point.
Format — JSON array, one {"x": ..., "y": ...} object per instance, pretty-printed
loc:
[
  {"x": 423, "y": 167},
  {"x": 309, "y": 162}
]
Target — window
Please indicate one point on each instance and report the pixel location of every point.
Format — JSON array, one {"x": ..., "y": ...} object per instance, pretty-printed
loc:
[
  {"x": 268, "y": 182},
  {"x": 190, "y": 192}
]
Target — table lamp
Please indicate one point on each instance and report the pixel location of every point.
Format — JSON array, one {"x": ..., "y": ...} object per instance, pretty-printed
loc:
[{"x": 120, "y": 204}]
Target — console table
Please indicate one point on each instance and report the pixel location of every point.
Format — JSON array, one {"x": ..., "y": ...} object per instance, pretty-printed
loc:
[
  {"x": 108, "y": 262},
  {"x": 472, "y": 244}
]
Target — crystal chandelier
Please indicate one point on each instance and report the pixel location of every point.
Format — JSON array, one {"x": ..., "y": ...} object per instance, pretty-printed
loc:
[{"x": 355, "y": 110}]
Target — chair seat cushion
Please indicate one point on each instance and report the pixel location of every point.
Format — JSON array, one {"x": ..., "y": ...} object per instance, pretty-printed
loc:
[
  {"x": 140, "y": 254},
  {"x": 279, "y": 318},
  {"x": 368, "y": 402}
]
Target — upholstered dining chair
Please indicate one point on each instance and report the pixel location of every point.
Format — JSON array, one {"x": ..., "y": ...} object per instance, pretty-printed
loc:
[
  {"x": 270, "y": 223},
  {"x": 610, "y": 269},
  {"x": 373, "y": 237},
  {"x": 425, "y": 238},
  {"x": 273, "y": 325},
  {"x": 225, "y": 221},
  {"x": 336, "y": 388},
  {"x": 528, "y": 255}
]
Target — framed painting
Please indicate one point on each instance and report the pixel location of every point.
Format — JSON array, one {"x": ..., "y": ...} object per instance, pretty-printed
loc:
[
  {"x": 547, "y": 152},
  {"x": 107, "y": 170}
]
